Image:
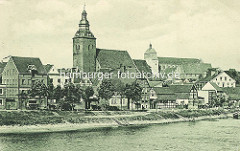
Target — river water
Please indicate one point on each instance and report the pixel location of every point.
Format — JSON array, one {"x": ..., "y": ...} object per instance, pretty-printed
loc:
[{"x": 217, "y": 135}]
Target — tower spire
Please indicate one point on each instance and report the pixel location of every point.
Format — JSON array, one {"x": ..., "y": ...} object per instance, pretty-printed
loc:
[{"x": 84, "y": 6}]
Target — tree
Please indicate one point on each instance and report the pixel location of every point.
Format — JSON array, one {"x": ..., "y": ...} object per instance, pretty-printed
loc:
[
  {"x": 38, "y": 89},
  {"x": 70, "y": 95},
  {"x": 234, "y": 74},
  {"x": 88, "y": 93},
  {"x": 50, "y": 90},
  {"x": 23, "y": 96},
  {"x": 106, "y": 89},
  {"x": 57, "y": 93},
  {"x": 134, "y": 92},
  {"x": 119, "y": 88}
]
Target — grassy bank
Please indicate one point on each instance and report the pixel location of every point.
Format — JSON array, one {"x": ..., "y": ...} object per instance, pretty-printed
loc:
[{"x": 118, "y": 117}]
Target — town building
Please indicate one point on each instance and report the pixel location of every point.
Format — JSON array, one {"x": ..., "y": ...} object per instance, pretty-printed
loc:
[
  {"x": 190, "y": 69},
  {"x": 17, "y": 78},
  {"x": 185, "y": 94},
  {"x": 88, "y": 58},
  {"x": 221, "y": 78},
  {"x": 166, "y": 98},
  {"x": 210, "y": 92}
]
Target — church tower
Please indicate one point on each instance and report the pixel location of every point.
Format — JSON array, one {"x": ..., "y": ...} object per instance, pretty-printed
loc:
[
  {"x": 84, "y": 47},
  {"x": 151, "y": 58}
]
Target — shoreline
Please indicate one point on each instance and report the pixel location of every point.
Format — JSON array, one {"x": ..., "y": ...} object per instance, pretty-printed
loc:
[{"x": 66, "y": 127}]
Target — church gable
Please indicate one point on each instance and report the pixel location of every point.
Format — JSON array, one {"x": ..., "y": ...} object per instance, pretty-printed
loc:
[{"x": 114, "y": 60}]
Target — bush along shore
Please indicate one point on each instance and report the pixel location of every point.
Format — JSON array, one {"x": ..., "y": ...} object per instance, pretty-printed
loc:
[{"x": 50, "y": 121}]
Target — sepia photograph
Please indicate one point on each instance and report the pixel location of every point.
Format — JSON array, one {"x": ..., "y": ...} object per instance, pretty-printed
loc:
[{"x": 119, "y": 75}]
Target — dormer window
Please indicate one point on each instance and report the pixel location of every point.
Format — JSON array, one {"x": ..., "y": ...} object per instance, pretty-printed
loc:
[{"x": 32, "y": 69}]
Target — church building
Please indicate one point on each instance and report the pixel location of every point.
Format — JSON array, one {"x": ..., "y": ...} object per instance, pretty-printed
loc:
[{"x": 88, "y": 58}]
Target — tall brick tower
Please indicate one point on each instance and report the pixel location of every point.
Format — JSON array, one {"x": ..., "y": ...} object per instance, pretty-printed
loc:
[{"x": 84, "y": 47}]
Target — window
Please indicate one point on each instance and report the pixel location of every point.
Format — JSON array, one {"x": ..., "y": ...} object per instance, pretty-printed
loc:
[
  {"x": 1, "y": 102},
  {"x": 221, "y": 78},
  {"x": 29, "y": 81},
  {"x": 225, "y": 78},
  {"x": 77, "y": 47},
  {"x": 1, "y": 91},
  {"x": 42, "y": 81},
  {"x": 23, "y": 81},
  {"x": 59, "y": 80},
  {"x": 229, "y": 79},
  {"x": 51, "y": 80},
  {"x": 88, "y": 47},
  {"x": 32, "y": 101},
  {"x": 223, "y": 84},
  {"x": 216, "y": 79}
]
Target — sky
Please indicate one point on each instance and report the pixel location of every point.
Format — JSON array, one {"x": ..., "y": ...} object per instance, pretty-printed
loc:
[{"x": 204, "y": 29}]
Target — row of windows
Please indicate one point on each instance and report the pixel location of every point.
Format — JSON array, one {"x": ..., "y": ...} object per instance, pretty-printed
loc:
[
  {"x": 66, "y": 80},
  {"x": 30, "y": 81},
  {"x": 224, "y": 84},
  {"x": 225, "y": 78},
  {"x": 10, "y": 81},
  {"x": 77, "y": 47},
  {"x": 10, "y": 72}
]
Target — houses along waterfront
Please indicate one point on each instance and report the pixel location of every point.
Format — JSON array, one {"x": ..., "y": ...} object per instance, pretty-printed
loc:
[{"x": 28, "y": 84}]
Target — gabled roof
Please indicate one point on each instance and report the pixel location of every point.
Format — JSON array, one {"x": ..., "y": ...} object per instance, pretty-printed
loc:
[
  {"x": 182, "y": 95},
  {"x": 215, "y": 86},
  {"x": 210, "y": 77},
  {"x": 142, "y": 66},
  {"x": 22, "y": 64},
  {"x": 48, "y": 67},
  {"x": 231, "y": 74},
  {"x": 2, "y": 66},
  {"x": 154, "y": 83},
  {"x": 114, "y": 59},
  {"x": 180, "y": 88},
  {"x": 177, "y": 61},
  {"x": 164, "y": 93}
]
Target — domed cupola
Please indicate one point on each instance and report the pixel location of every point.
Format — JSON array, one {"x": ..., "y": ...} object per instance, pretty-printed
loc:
[{"x": 150, "y": 53}]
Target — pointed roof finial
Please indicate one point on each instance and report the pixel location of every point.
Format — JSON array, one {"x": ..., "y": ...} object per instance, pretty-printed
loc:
[
  {"x": 150, "y": 46},
  {"x": 84, "y": 6}
]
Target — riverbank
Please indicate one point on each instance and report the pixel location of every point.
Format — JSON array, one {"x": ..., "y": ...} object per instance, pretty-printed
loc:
[{"x": 48, "y": 121}]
